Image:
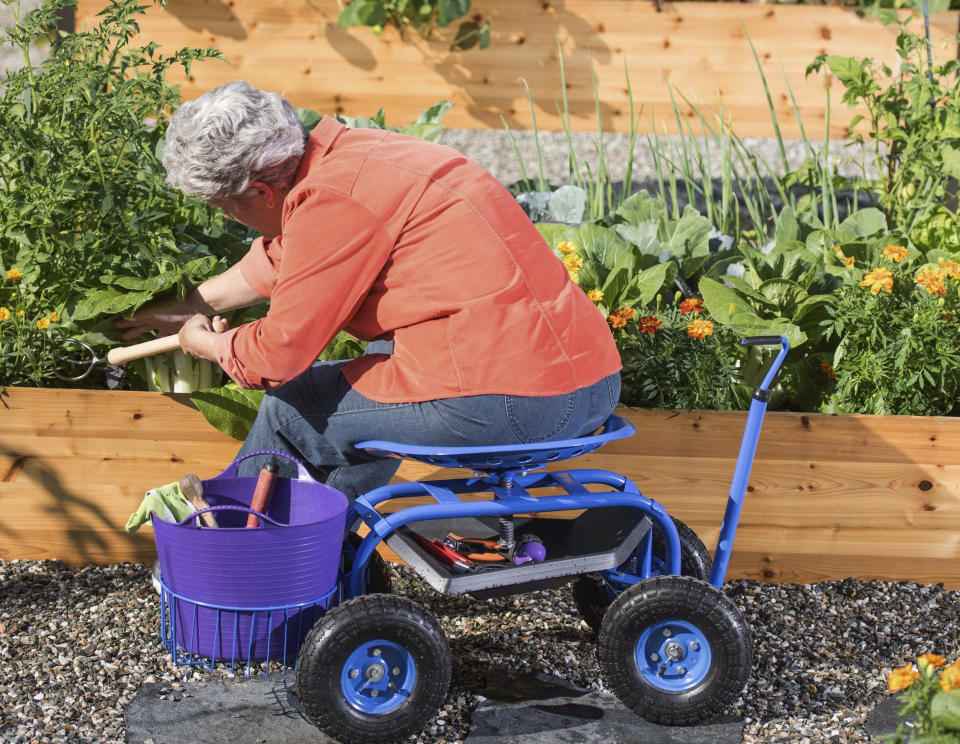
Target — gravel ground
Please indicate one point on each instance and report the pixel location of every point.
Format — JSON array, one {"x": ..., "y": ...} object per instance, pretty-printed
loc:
[{"x": 76, "y": 645}]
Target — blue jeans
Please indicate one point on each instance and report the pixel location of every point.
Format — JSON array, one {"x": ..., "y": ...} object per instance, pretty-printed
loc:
[{"x": 318, "y": 417}]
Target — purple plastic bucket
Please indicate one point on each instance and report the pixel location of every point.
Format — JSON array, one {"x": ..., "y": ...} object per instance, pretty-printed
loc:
[{"x": 243, "y": 594}]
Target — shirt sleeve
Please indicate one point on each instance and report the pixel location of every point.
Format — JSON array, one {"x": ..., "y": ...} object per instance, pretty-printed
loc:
[
  {"x": 330, "y": 253},
  {"x": 257, "y": 268}
]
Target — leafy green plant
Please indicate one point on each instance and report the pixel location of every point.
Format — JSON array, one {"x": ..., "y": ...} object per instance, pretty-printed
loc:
[
  {"x": 930, "y": 700},
  {"x": 896, "y": 330},
  {"x": 912, "y": 123},
  {"x": 675, "y": 357},
  {"x": 421, "y": 15},
  {"x": 86, "y": 218}
]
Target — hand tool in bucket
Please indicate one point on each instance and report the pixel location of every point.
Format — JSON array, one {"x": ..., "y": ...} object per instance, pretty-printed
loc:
[
  {"x": 115, "y": 358},
  {"x": 222, "y": 597}
]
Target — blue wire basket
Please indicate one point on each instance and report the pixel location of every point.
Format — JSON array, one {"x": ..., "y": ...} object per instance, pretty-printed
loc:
[{"x": 198, "y": 633}]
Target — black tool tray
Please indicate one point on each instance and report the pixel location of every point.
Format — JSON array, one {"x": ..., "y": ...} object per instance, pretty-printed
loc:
[{"x": 599, "y": 539}]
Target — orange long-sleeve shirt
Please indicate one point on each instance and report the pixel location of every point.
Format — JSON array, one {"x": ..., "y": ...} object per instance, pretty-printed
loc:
[{"x": 388, "y": 236}]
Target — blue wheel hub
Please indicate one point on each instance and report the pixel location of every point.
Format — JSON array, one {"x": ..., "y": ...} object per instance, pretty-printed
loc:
[
  {"x": 673, "y": 655},
  {"x": 378, "y": 677}
]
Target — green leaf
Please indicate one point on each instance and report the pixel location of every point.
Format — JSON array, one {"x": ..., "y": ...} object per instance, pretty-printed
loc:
[
  {"x": 865, "y": 223},
  {"x": 722, "y": 302},
  {"x": 309, "y": 118},
  {"x": 783, "y": 293},
  {"x": 751, "y": 325},
  {"x": 640, "y": 207},
  {"x": 650, "y": 282},
  {"x": 230, "y": 408},
  {"x": 945, "y": 709},
  {"x": 951, "y": 161},
  {"x": 450, "y": 10},
  {"x": 108, "y": 302},
  {"x": 847, "y": 69},
  {"x": 435, "y": 113}
]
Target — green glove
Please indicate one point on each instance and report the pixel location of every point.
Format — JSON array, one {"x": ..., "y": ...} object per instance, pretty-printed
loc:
[{"x": 167, "y": 501}]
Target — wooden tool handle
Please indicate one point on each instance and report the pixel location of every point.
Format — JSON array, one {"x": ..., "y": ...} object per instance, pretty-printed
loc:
[
  {"x": 155, "y": 346},
  {"x": 262, "y": 493},
  {"x": 192, "y": 487}
]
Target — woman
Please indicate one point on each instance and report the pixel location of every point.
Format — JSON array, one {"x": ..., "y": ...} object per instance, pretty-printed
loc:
[{"x": 393, "y": 239}]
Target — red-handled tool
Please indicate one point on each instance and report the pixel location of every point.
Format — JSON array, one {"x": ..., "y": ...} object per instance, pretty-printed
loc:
[
  {"x": 262, "y": 493},
  {"x": 446, "y": 555}
]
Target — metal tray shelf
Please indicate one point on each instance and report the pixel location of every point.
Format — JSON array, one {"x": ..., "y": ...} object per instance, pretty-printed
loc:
[{"x": 597, "y": 540}]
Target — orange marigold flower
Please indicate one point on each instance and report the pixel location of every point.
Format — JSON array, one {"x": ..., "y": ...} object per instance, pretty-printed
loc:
[
  {"x": 595, "y": 295},
  {"x": 43, "y": 324},
  {"x": 565, "y": 247},
  {"x": 950, "y": 677},
  {"x": 878, "y": 279},
  {"x": 691, "y": 306},
  {"x": 902, "y": 678},
  {"x": 849, "y": 260},
  {"x": 932, "y": 281},
  {"x": 53, "y": 317},
  {"x": 838, "y": 250},
  {"x": 950, "y": 268},
  {"x": 4, "y": 313},
  {"x": 14, "y": 275},
  {"x": 896, "y": 253},
  {"x": 700, "y": 328},
  {"x": 627, "y": 312},
  {"x": 827, "y": 369},
  {"x": 616, "y": 320},
  {"x": 650, "y": 324},
  {"x": 20, "y": 313},
  {"x": 932, "y": 659}
]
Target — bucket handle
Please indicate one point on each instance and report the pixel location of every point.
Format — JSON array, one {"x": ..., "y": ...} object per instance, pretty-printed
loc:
[
  {"x": 229, "y": 507},
  {"x": 302, "y": 474}
]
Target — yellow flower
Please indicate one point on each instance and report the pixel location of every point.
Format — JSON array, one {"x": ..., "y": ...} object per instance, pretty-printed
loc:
[
  {"x": 950, "y": 677},
  {"x": 53, "y": 317},
  {"x": 574, "y": 274},
  {"x": 878, "y": 279},
  {"x": 43, "y": 324},
  {"x": 950, "y": 268},
  {"x": 902, "y": 678},
  {"x": 896, "y": 253},
  {"x": 4, "y": 313},
  {"x": 595, "y": 295},
  {"x": 20, "y": 313},
  {"x": 932, "y": 281},
  {"x": 14, "y": 275},
  {"x": 838, "y": 250},
  {"x": 566, "y": 247},
  {"x": 700, "y": 329},
  {"x": 572, "y": 262},
  {"x": 930, "y": 659},
  {"x": 849, "y": 260}
]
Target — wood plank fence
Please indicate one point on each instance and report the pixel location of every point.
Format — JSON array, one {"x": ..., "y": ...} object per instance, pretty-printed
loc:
[{"x": 699, "y": 48}]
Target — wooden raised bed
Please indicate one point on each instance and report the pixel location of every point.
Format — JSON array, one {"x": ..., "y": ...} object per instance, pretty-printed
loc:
[
  {"x": 830, "y": 496},
  {"x": 296, "y": 47}
]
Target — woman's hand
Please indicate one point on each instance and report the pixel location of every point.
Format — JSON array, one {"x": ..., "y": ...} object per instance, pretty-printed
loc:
[
  {"x": 198, "y": 336},
  {"x": 166, "y": 318}
]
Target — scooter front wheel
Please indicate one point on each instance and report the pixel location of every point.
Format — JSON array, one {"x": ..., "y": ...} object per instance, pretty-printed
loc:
[{"x": 675, "y": 650}]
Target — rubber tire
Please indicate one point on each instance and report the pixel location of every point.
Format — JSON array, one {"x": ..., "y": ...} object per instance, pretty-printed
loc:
[
  {"x": 590, "y": 592},
  {"x": 671, "y": 598},
  {"x": 378, "y": 580},
  {"x": 331, "y": 641}
]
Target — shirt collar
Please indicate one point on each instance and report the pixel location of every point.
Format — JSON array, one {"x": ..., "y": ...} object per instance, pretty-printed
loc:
[{"x": 319, "y": 144}]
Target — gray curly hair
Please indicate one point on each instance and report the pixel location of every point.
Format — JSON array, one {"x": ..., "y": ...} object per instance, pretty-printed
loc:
[{"x": 231, "y": 136}]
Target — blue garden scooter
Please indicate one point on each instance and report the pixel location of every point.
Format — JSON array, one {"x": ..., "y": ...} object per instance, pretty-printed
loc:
[{"x": 672, "y": 646}]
